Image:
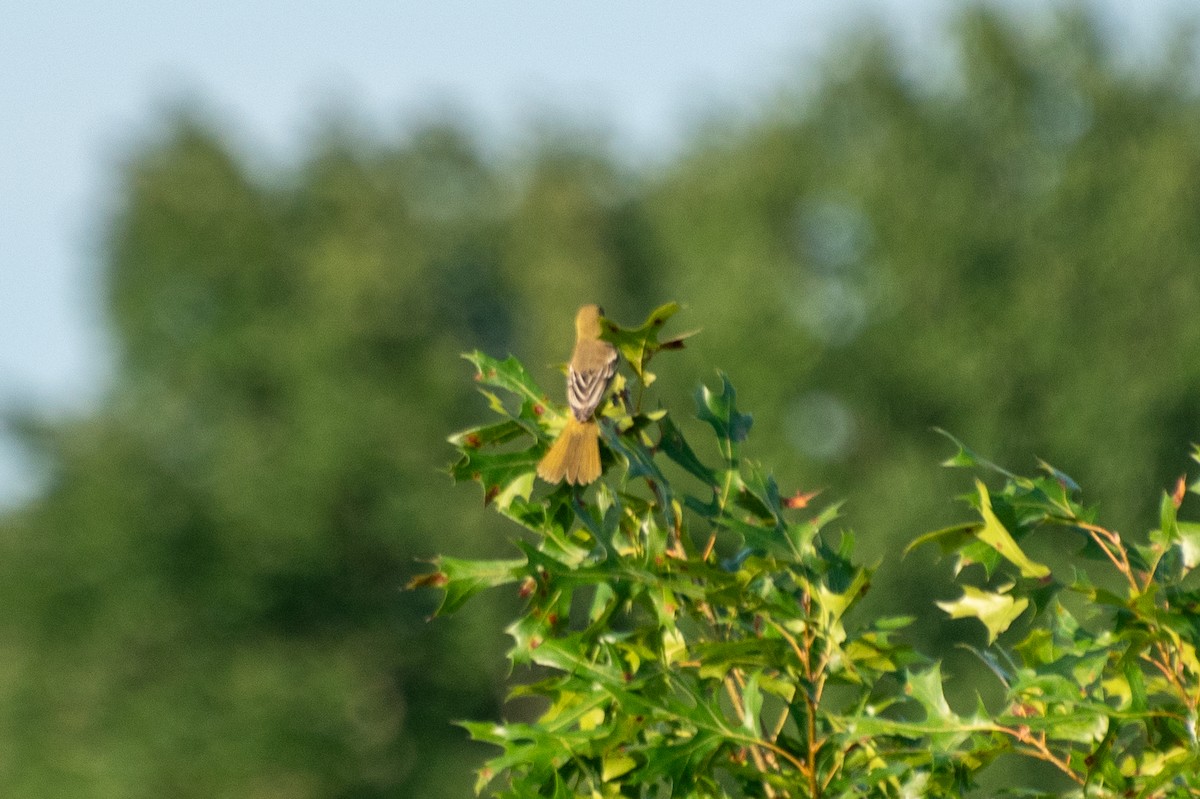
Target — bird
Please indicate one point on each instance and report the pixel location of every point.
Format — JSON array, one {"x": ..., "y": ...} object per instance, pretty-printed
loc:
[{"x": 575, "y": 454}]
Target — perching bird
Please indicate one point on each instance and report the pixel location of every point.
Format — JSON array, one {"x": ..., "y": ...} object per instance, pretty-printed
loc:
[{"x": 575, "y": 454}]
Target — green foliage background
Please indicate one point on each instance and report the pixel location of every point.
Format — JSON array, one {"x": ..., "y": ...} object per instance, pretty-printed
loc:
[{"x": 204, "y": 601}]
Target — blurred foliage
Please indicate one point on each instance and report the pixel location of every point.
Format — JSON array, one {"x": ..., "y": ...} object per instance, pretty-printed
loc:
[{"x": 204, "y": 599}]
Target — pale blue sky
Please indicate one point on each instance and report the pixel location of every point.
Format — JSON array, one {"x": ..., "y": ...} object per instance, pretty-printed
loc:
[{"x": 80, "y": 79}]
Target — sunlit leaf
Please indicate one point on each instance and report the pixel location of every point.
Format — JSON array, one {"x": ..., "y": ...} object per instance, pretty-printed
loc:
[
  {"x": 616, "y": 765},
  {"x": 995, "y": 610},
  {"x": 1189, "y": 544},
  {"x": 926, "y": 688},
  {"x": 994, "y": 534}
]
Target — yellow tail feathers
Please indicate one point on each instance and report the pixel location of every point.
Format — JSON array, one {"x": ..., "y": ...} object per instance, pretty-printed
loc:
[{"x": 574, "y": 455}]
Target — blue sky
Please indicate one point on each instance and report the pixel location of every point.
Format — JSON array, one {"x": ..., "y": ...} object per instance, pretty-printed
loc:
[{"x": 81, "y": 80}]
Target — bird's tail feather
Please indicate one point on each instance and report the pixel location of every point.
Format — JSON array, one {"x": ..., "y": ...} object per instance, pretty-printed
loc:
[{"x": 574, "y": 456}]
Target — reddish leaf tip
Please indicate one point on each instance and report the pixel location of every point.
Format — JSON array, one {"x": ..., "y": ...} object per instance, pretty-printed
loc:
[
  {"x": 1180, "y": 490},
  {"x": 801, "y": 499}
]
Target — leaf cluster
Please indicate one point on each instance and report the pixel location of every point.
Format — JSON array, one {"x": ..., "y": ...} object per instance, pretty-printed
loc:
[
  {"x": 688, "y": 641},
  {"x": 1103, "y": 683},
  {"x": 689, "y": 631}
]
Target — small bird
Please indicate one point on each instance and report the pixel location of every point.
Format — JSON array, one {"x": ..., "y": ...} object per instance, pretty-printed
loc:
[{"x": 575, "y": 454}]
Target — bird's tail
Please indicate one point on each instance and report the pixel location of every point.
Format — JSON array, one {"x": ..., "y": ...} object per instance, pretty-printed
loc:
[{"x": 574, "y": 455}]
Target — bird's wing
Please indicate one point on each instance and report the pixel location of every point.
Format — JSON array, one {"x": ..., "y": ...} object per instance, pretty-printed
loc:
[{"x": 585, "y": 387}]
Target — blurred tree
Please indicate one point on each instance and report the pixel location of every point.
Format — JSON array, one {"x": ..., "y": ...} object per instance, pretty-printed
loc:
[{"x": 204, "y": 599}]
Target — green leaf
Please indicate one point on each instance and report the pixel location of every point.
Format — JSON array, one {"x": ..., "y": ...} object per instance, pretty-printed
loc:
[
  {"x": 964, "y": 458},
  {"x": 989, "y": 659},
  {"x": 640, "y": 462},
  {"x": 1175, "y": 550},
  {"x": 720, "y": 411},
  {"x": 926, "y": 688},
  {"x": 488, "y": 435},
  {"x": 1080, "y": 724},
  {"x": 682, "y": 759},
  {"x": 508, "y": 374},
  {"x": 462, "y": 579},
  {"x": 762, "y": 539},
  {"x": 1167, "y": 512},
  {"x": 1195, "y": 486},
  {"x": 1132, "y": 670},
  {"x": 716, "y": 658},
  {"x": 672, "y": 444},
  {"x": 614, "y": 765},
  {"x": 497, "y": 471},
  {"x": 949, "y": 539},
  {"x": 968, "y": 458},
  {"x": 803, "y": 533},
  {"x": 1062, "y": 477},
  {"x": 836, "y": 602},
  {"x": 759, "y": 494},
  {"x": 994, "y": 534},
  {"x": 638, "y": 345},
  {"x": 1189, "y": 544},
  {"x": 997, "y": 611},
  {"x": 752, "y": 700}
]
